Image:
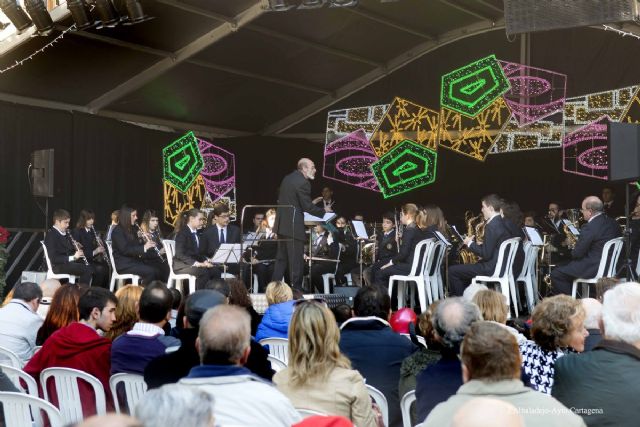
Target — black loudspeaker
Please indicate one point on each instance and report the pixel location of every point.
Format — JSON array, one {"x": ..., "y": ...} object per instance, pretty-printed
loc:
[
  {"x": 525, "y": 16},
  {"x": 624, "y": 151},
  {"x": 42, "y": 173},
  {"x": 348, "y": 291}
]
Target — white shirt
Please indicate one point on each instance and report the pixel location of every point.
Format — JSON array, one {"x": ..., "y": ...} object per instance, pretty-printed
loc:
[
  {"x": 226, "y": 237},
  {"x": 19, "y": 326}
]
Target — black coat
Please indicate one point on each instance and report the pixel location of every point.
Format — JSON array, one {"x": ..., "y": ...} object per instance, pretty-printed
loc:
[
  {"x": 87, "y": 240},
  {"x": 495, "y": 232},
  {"x": 411, "y": 236},
  {"x": 232, "y": 235},
  {"x": 518, "y": 261},
  {"x": 295, "y": 190},
  {"x": 127, "y": 249},
  {"x": 59, "y": 247},
  {"x": 187, "y": 252},
  {"x": 387, "y": 246}
]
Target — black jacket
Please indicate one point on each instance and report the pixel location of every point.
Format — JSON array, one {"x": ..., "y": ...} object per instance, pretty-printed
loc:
[
  {"x": 127, "y": 249},
  {"x": 295, "y": 190},
  {"x": 59, "y": 247},
  {"x": 495, "y": 232},
  {"x": 232, "y": 235},
  {"x": 387, "y": 246},
  {"x": 411, "y": 236},
  {"x": 518, "y": 261},
  {"x": 86, "y": 239},
  {"x": 187, "y": 252}
]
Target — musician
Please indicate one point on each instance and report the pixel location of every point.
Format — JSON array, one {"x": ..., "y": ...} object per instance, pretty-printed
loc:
[
  {"x": 85, "y": 234},
  {"x": 325, "y": 246},
  {"x": 64, "y": 257},
  {"x": 386, "y": 247},
  {"x": 191, "y": 250},
  {"x": 513, "y": 221},
  {"x": 634, "y": 225},
  {"x": 220, "y": 231},
  {"x": 150, "y": 226},
  {"x": 348, "y": 250},
  {"x": 530, "y": 220},
  {"x": 129, "y": 252},
  {"x": 495, "y": 232},
  {"x": 612, "y": 208},
  {"x": 295, "y": 190},
  {"x": 415, "y": 231},
  {"x": 586, "y": 255},
  {"x": 265, "y": 251},
  {"x": 560, "y": 252},
  {"x": 114, "y": 221},
  {"x": 326, "y": 200}
]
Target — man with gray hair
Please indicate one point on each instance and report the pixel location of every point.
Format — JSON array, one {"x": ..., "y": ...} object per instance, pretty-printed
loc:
[
  {"x": 49, "y": 287},
  {"x": 603, "y": 385},
  {"x": 593, "y": 310},
  {"x": 438, "y": 381},
  {"x": 20, "y": 321},
  {"x": 585, "y": 257},
  {"x": 241, "y": 397},
  {"x": 176, "y": 405}
]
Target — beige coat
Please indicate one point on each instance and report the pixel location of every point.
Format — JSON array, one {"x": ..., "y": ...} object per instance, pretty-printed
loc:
[{"x": 343, "y": 393}]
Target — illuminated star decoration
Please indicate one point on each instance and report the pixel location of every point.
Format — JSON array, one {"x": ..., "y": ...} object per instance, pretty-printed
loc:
[
  {"x": 348, "y": 159},
  {"x": 341, "y": 123}
]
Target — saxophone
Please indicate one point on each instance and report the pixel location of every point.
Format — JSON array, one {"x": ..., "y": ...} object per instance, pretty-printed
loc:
[{"x": 475, "y": 225}]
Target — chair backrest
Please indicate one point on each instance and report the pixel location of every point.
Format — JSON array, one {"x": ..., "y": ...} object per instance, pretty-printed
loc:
[
  {"x": 304, "y": 413},
  {"x": 405, "y": 407},
  {"x": 421, "y": 340},
  {"x": 18, "y": 409},
  {"x": 68, "y": 392},
  {"x": 46, "y": 256},
  {"x": 278, "y": 347},
  {"x": 110, "y": 250},
  {"x": 439, "y": 249},
  {"x": 170, "y": 251},
  {"x": 8, "y": 357},
  {"x": 420, "y": 255},
  {"x": 23, "y": 381},
  {"x": 381, "y": 401},
  {"x": 506, "y": 255},
  {"x": 609, "y": 258},
  {"x": 276, "y": 364},
  {"x": 133, "y": 386}
]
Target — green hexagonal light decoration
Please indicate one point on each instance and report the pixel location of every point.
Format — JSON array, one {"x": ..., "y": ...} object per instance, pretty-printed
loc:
[{"x": 182, "y": 162}]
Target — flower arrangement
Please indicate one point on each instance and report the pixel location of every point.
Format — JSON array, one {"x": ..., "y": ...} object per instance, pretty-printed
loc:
[{"x": 4, "y": 237}]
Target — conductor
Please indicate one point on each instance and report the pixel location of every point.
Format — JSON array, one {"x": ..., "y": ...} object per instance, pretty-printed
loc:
[{"x": 295, "y": 190}]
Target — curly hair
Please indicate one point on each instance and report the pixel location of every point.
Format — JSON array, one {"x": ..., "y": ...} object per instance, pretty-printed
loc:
[
  {"x": 238, "y": 294},
  {"x": 553, "y": 321}
]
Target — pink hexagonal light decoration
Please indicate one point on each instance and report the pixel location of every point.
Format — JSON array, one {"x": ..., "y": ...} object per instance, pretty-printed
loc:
[
  {"x": 347, "y": 160},
  {"x": 584, "y": 151},
  {"x": 219, "y": 170}
]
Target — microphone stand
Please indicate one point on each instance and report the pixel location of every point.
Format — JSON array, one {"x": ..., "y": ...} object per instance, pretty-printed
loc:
[{"x": 627, "y": 269}]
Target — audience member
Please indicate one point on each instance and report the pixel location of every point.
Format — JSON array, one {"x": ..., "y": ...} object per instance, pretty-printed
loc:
[
  {"x": 49, "y": 288},
  {"x": 593, "y": 316},
  {"x": 111, "y": 420},
  {"x": 440, "y": 380},
  {"x": 557, "y": 328},
  {"x": 275, "y": 323},
  {"x": 319, "y": 377},
  {"x": 603, "y": 384},
  {"x": 238, "y": 295},
  {"x": 342, "y": 313},
  {"x": 487, "y": 412},
  {"x": 241, "y": 397},
  {"x": 64, "y": 311},
  {"x": 127, "y": 310},
  {"x": 603, "y": 285},
  {"x": 170, "y": 368},
  {"x": 19, "y": 321},
  {"x": 80, "y": 346},
  {"x": 491, "y": 367},
  {"x": 176, "y": 405},
  {"x": 495, "y": 308},
  {"x": 132, "y": 351},
  {"x": 373, "y": 348},
  {"x": 176, "y": 297}
]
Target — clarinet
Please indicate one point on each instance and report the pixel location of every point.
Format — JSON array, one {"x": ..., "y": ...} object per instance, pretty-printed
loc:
[
  {"x": 100, "y": 243},
  {"x": 156, "y": 235},
  {"x": 76, "y": 245},
  {"x": 148, "y": 239}
]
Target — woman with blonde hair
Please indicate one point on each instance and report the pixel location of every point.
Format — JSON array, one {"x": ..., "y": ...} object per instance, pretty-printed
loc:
[
  {"x": 275, "y": 323},
  {"x": 319, "y": 377},
  {"x": 494, "y": 308},
  {"x": 126, "y": 310}
]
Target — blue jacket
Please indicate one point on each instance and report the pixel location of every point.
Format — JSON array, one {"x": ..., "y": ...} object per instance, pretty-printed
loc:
[{"x": 275, "y": 323}]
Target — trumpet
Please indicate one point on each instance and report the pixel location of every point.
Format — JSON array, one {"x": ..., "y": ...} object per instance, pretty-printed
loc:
[
  {"x": 100, "y": 243},
  {"x": 147, "y": 239},
  {"x": 76, "y": 245}
]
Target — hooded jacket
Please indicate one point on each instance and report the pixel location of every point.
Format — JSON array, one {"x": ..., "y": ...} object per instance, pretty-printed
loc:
[
  {"x": 275, "y": 323},
  {"x": 77, "y": 346}
]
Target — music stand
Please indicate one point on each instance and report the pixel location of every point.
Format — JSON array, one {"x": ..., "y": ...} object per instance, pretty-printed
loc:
[{"x": 227, "y": 253}]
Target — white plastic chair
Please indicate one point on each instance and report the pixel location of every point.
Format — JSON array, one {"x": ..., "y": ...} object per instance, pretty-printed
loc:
[
  {"x": 9, "y": 358},
  {"x": 115, "y": 276},
  {"x": 278, "y": 347},
  {"x": 379, "y": 398},
  {"x": 134, "y": 388},
  {"x": 416, "y": 275},
  {"x": 18, "y": 377},
  {"x": 405, "y": 407},
  {"x": 18, "y": 409},
  {"x": 607, "y": 268},
  {"x": 68, "y": 393},
  {"x": 276, "y": 364},
  {"x": 421, "y": 340},
  {"x": 433, "y": 272},
  {"x": 529, "y": 275},
  {"x": 503, "y": 273},
  {"x": 50, "y": 274},
  {"x": 174, "y": 279}
]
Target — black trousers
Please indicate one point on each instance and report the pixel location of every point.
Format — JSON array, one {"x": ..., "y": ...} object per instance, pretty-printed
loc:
[
  {"x": 203, "y": 274},
  {"x": 561, "y": 281},
  {"x": 381, "y": 276},
  {"x": 77, "y": 268},
  {"x": 290, "y": 257},
  {"x": 264, "y": 273},
  {"x": 460, "y": 277},
  {"x": 101, "y": 275},
  {"x": 146, "y": 272},
  {"x": 161, "y": 267},
  {"x": 318, "y": 268}
]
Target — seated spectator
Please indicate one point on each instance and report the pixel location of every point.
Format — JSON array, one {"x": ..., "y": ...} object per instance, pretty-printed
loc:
[
  {"x": 494, "y": 307},
  {"x": 127, "y": 310},
  {"x": 342, "y": 313},
  {"x": 170, "y": 368},
  {"x": 593, "y": 317},
  {"x": 491, "y": 368},
  {"x": 605, "y": 382},
  {"x": 49, "y": 288},
  {"x": 487, "y": 412},
  {"x": 238, "y": 295},
  {"x": 241, "y": 398},
  {"x": 319, "y": 377},
  {"x": 275, "y": 323},
  {"x": 440, "y": 380},
  {"x": 111, "y": 420},
  {"x": 132, "y": 351},
  {"x": 176, "y": 405},
  {"x": 80, "y": 346},
  {"x": 64, "y": 311},
  {"x": 175, "y": 305},
  {"x": 374, "y": 349},
  {"x": 603, "y": 285},
  {"x": 414, "y": 364},
  {"x": 557, "y": 328},
  {"x": 20, "y": 321}
]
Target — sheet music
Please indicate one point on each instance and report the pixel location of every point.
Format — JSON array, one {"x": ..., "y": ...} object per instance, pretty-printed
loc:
[
  {"x": 443, "y": 239},
  {"x": 359, "y": 228},
  {"x": 328, "y": 216},
  {"x": 457, "y": 233},
  {"x": 227, "y": 253},
  {"x": 571, "y": 227},
  {"x": 534, "y": 236}
]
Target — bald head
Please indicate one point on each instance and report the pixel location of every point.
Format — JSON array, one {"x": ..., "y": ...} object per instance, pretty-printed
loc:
[
  {"x": 307, "y": 168},
  {"x": 452, "y": 320},
  {"x": 111, "y": 420},
  {"x": 591, "y": 206},
  {"x": 49, "y": 287},
  {"x": 486, "y": 412},
  {"x": 593, "y": 310}
]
